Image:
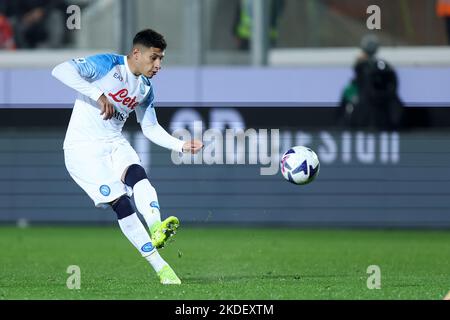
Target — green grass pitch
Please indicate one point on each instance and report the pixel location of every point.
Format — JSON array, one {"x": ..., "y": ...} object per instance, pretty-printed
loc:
[{"x": 226, "y": 263}]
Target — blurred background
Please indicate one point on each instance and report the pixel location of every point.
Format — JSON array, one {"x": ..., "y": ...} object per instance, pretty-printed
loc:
[{"x": 373, "y": 104}]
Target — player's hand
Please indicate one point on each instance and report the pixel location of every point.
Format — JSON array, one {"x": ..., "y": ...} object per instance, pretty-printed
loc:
[
  {"x": 106, "y": 107},
  {"x": 192, "y": 146}
]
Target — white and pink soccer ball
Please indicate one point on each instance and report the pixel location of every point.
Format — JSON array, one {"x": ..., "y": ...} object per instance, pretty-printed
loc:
[{"x": 300, "y": 165}]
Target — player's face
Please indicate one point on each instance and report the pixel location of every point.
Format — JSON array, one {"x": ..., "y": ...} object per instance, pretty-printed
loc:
[{"x": 149, "y": 61}]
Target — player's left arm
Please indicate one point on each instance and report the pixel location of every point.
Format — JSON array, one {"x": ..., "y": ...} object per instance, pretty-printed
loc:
[{"x": 155, "y": 133}]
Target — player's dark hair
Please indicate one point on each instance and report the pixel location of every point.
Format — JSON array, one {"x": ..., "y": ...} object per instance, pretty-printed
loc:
[{"x": 150, "y": 38}]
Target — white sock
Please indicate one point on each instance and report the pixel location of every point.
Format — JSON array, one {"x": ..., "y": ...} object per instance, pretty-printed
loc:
[
  {"x": 146, "y": 202},
  {"x": 133, "y": 229},
  {"x": 156, "y": 260}
]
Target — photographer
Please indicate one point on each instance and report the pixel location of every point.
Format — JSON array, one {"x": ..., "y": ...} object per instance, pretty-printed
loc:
[{"x": 371, "y": 101}]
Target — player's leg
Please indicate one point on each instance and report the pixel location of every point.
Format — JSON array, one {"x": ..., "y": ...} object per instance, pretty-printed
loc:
[
  {"x": 133, "y": 229},
  {"x": 127, "y": 167},
  {"x": 91, "y": 168},
  {"x": 146, "y": 201},
  {"x": 145, "y": 196}
]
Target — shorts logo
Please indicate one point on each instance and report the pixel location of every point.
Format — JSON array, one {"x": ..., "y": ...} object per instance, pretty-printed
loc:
[
  {"x": 105, "y": 190},
  {"x": 154, "y": 204},
  {"x": 147, "y": 247}
]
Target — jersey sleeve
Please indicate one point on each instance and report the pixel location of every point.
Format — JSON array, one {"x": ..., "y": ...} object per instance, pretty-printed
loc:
[
  {"x": 146, "y": 115},
  {"x": 68, "y": 74},
  {"x": 95, "y": 67},
  {"x": 155, "y": 133},
  {"x": 146, "y": 106},
  {"x": 148, "y": 118}
]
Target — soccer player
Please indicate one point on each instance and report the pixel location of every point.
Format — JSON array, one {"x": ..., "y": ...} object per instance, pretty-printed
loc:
[{"x": 100, "y": 159}]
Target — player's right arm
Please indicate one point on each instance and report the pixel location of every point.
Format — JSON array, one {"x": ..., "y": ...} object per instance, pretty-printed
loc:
[{"x": 79, "y": 75}]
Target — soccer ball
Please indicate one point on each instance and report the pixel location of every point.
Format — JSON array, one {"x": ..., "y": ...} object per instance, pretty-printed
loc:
[{"x": 300, "y": 165}]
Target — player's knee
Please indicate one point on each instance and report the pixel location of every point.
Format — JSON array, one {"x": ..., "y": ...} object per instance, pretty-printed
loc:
[
  {"x": 122, "y": 207},
  {"x": 135, "y": 173}
]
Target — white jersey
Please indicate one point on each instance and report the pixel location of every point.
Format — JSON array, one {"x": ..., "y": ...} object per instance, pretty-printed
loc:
[
  {"x": 112, "y": 76},
  {"x": 96, "y": 154}
]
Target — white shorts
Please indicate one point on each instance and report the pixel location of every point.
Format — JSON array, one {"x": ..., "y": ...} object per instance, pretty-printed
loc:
[{"x": 97, "y": 167}]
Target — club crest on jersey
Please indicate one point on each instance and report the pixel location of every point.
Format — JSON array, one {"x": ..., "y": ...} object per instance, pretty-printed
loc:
[{"x": 121, "y": 96}]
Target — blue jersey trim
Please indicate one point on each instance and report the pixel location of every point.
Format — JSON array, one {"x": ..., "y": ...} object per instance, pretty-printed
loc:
[
  {"x": 150, "y": 97},
  {"x": 146, "y": 103},
  {"x": 95, "y": 67},
  {"x": 146, "y": 81}
]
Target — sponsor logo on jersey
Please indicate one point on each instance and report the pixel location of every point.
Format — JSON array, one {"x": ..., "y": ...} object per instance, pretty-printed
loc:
[
  {"x": 118, "y": 76},
  {"x": 147, "y": 247},
  {"x": 105, "y": 190},
  {"x": 119, "y": 115},
  {"x": 122, "y": 97},
  {"x": 80, "y": 60}
]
